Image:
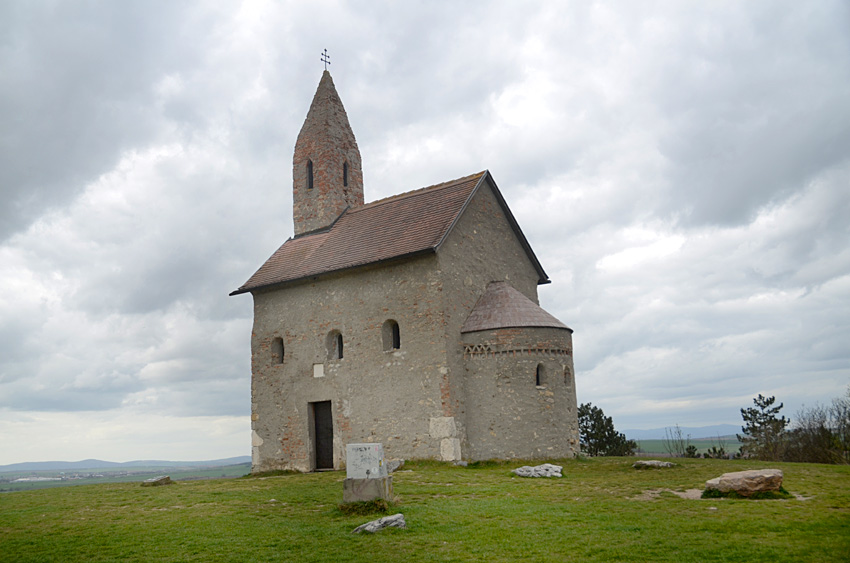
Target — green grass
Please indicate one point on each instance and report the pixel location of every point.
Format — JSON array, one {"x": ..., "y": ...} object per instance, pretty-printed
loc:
[{"x": 453, "y": 514}]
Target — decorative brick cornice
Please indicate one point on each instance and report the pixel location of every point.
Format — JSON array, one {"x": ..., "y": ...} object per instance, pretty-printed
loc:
[{"x": 488, "y": 351}]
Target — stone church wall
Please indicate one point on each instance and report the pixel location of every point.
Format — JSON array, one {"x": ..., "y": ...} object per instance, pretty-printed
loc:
[
  {"x": 520, "y": 388},
  {"x": 393, "y": 397}
]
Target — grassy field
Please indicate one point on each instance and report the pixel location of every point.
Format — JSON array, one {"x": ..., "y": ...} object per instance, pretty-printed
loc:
[{"x": 599, "y": 511}]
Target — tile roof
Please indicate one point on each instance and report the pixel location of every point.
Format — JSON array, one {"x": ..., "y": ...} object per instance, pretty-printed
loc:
[
  {"x": 502, "y": 306},
  {"x": 402, "y": 225}
]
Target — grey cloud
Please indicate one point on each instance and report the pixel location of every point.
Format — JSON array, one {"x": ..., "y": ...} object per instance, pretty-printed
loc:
[
  {"x": 75, "y": 91},
  {"x": 756, "y": 109}
]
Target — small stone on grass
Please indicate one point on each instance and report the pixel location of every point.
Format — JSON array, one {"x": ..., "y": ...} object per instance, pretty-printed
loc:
[{"x": 394, "y": 521}]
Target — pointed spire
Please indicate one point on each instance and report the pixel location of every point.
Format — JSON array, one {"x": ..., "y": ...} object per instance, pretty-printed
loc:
[{"x": 326, "y": 170}]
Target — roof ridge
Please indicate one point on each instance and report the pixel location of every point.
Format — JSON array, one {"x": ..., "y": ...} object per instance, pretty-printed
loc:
[{"x": 404, "y": 195}]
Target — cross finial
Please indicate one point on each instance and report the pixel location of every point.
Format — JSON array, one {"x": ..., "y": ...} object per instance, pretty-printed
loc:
[{"x": 326, "y": 58}]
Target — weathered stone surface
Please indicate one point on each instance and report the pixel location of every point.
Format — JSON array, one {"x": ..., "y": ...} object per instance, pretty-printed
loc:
[
  {"x": 746, "y": 483},
  {"x": 157, "y": 481},
  {"x": 394, "y": 464},
  {"x": 651, "y": 464},
  {"x": 365, "y": 461},
  {"x": 394, "y": 521},
  {"x": 544, "y": 470},
  {"x": 449, "y": 449},
  {"x": 443, "y": 427},
  {"x": 356, "y": 490}
]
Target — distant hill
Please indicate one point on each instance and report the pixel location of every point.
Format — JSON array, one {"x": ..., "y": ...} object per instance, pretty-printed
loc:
[
  {"x": 100, "y": 464},
  {"x": 694, "y": 432}
]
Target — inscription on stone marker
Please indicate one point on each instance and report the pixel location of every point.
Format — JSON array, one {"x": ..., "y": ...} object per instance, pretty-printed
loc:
[{"x": 365, "y": 461}]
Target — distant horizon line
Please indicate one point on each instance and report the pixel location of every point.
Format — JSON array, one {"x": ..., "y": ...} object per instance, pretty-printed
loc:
[{"x": 131, "y": 463}]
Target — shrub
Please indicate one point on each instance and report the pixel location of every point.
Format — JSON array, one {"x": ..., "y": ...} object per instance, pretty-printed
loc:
[
  {"x": 364, "y": 508},
  {"x": 762, "y": 495}
]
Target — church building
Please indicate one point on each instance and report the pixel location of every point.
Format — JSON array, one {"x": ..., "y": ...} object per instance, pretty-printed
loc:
[{"x": 411, "y": 321}]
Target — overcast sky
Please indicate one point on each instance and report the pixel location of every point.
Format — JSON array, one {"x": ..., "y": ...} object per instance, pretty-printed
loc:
[{"x": 681, "y": 169}]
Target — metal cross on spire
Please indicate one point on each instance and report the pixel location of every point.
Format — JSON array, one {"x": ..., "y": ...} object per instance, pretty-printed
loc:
[{"x": 326, "y": 59}]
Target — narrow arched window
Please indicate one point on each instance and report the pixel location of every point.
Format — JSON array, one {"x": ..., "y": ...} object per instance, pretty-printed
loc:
[
  {"x": 333, "y": 344},
  {"x": 277, "y": 350},
  {"x": 345, "y": 173},
  {"x": 540, "y": 376},
  {"x": 391, "y": 336},
  {"x": 309, "y": 174}
]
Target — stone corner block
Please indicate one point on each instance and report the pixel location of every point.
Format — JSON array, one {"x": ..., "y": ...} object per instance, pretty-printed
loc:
[
  {"x": 450, "y": 449},
  {"x": 443, "y": 427}
]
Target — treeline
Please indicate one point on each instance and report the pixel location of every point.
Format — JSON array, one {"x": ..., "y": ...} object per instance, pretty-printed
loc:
[{"x": 820, "y": 434}]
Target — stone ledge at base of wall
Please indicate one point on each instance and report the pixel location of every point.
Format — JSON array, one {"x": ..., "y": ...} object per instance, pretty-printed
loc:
[{"x": 360, "y": 490}]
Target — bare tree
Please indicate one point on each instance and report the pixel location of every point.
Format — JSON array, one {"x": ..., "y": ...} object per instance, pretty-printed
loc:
[{"x": 677, "y": 445}]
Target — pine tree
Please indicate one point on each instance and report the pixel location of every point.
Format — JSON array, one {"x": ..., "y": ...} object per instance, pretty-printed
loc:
[
  {"x": 598, "y": 436},
  {"x": 763, "y": 431}
]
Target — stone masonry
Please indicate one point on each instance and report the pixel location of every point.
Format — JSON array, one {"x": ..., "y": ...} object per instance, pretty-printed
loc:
[{"x": 327, "y": 143}]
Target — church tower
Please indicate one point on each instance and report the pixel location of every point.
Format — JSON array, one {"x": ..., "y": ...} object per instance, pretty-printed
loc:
[{"x": 326, "y": 172}]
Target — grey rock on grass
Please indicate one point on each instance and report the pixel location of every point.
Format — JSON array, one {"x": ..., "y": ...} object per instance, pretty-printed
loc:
[
  {"x": 652, "y": 464},
  {"x": 746, "y": 483},
  {"x": 157, "y": 481},
  {"x": 394, "y": 521},
  {"x": 545, "y": 470},
  {"x": 394, "y": 464}
]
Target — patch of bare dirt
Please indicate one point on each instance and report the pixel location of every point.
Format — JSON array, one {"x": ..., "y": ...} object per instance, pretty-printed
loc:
[{"x": 653, "y": 494}]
